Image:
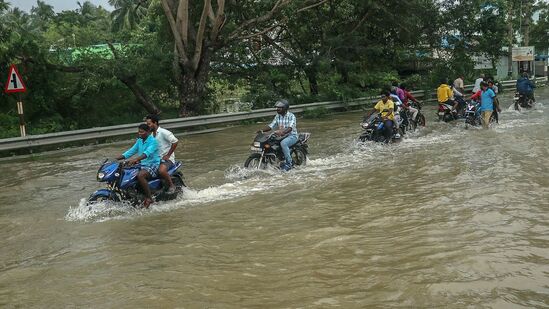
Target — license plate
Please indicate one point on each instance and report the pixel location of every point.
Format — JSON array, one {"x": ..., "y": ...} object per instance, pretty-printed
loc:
[
  {"x": 256, "y": 149},
  {"x": 441, "y": 113}
]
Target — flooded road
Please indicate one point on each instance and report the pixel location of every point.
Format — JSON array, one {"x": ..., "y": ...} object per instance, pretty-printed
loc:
[{"x": 448, "y": 218}]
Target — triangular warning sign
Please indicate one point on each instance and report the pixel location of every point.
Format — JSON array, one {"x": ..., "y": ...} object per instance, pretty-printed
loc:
[{"x": 15, "y": 82}]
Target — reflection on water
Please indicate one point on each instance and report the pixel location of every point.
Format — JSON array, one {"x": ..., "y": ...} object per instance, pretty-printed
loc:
[{"x": 447, "y": 218}]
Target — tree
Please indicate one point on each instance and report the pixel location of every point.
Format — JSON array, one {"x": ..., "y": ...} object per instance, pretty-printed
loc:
[{"x": 200, "y": 29}]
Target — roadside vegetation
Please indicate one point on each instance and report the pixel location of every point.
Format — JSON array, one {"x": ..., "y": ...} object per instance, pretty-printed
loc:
[{"x": 90, "y": 67}]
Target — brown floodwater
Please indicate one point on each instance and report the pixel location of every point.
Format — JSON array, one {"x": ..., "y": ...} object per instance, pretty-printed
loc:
[{"x": 448, "y": 218}]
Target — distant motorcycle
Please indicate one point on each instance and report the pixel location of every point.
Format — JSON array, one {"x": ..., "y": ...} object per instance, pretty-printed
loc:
[
  {"x": 122, "y": 184},
  {"x": 266, "y": 150},
  {"x": 407, "y": 117},
  {"x": 446, "y": 114},
  {"x": 472, "y": 114},
  {"x": 373, "y": 129},
  {"x": 521, "y": 101}
]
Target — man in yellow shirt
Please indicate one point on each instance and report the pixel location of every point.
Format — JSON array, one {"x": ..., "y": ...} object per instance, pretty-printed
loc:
[
  {"x": 386, "y": 107},
  {"x": 445, "y": 94}
]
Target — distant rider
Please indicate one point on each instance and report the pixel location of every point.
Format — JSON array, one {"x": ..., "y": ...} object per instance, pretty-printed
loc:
[
  {"x": 479, "y": 80},
  {"x": 284, "y": 124},
  {"x": 406, "y": 102},
  {"x": 386, "y": 108},
  {"x": 167, "y": 142},
  {"x": 445, "y": 94},
  {"x": 459, "y": 85},
  {"x": 399, "y": 91},
  {"x": 146, "y": 149},
  {"x": 526, "y": 87}
]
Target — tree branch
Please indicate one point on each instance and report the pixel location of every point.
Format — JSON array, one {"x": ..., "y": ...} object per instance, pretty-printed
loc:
[
  {"x": 269, "y": 15},
  {"x": 176, "y": 35},
  {"x": 282, "y": 50},
  {"x": 200, "y": 35},
  {"x": 219, "y": 20},
  {"x": 311, "y": 6},
  {"x": 182, "y": 20},
  {"x": 260, "y": 33}
]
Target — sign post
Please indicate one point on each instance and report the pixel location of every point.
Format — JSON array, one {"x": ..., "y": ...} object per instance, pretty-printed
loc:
[
  {"x": 15, "y": 84},
  {"x": 524, "y": 54}
]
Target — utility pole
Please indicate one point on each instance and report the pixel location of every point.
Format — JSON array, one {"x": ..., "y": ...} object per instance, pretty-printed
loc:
[{"x": 510, "y": 37}]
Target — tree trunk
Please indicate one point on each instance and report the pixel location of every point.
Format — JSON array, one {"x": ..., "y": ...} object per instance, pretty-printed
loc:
[
  {"x": 140, "y": 95},
  {"x": 190, "y": 95},
  {"x": 313, "y": 83},
  {"x": 193, "y": 87}
]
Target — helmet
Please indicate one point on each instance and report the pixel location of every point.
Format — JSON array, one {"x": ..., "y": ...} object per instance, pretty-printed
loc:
[
  {"x": 282, "y": 103},
  {"x": 525, "y": 74}
]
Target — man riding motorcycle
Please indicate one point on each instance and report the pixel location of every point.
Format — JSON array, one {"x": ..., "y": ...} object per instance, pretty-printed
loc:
[
  {"x": 146, "y": 149},
  {"x": 386, "y": 108},
  {"x": 405, "y": 103},
  {"x": 526, "y": 87},
  {"x": 284, "y": 124},
  {"x": 445, "y": 94}
]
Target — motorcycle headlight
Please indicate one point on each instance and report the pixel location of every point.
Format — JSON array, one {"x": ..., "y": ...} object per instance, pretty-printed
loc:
[
  {"x": 364, "y": 125},
  {"x": 100, "y": 175},
  {"x": 257, "y": 144}
]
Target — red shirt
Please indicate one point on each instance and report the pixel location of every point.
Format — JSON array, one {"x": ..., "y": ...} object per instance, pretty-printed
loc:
[
  {"x": 408, "y": 96},
  {"x": 476, "y": 96}
]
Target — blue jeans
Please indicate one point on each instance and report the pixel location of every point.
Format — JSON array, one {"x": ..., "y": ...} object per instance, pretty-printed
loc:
[{"x": 286, "y": 143}]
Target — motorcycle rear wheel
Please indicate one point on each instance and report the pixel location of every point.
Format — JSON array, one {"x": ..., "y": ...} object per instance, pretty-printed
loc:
[
  {"x": 299, "y": 157},
  {"x": 447, "y": 117},
  {"x": 178, "y": 181}
]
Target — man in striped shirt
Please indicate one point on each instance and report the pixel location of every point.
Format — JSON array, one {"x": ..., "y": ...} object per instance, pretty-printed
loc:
[{"x": 284, "y": 123}]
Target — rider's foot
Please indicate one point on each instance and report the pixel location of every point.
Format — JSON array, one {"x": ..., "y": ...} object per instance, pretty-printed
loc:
[
  {"x": 171, "y": 190},
  {"x": 285, "y": 167},
  {"x": 147, "y": 202}
]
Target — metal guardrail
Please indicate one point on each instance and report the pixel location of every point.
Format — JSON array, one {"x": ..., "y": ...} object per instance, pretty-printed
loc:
[{"x": 31, "y": 141}]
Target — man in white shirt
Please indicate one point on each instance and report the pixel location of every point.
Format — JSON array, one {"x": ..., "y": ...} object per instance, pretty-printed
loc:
[
  {"x": 167, "y": 143},
  {"x": 458, "y": 84},
  {"x": 479, "y": 80}
]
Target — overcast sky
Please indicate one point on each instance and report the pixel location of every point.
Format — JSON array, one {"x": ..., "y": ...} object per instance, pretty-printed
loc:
[{"x": 58, "y": 5}]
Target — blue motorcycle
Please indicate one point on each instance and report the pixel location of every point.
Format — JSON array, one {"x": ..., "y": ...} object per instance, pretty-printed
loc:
[{"x": 122, "y": 184}]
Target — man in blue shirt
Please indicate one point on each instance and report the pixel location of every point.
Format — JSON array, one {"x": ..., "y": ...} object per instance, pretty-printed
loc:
[
  {"x": 146, "y": 149},
  {"x": 284, "y": 123},
  {"x": 486, "y": 104}
]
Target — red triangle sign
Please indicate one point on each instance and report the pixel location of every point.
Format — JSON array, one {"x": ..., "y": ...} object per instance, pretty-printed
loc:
[{"x": 15, "y": 82}]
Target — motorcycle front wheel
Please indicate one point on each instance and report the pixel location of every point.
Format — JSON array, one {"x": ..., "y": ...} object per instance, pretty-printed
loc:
[
  {"x": 420, "y": 120},
  {"x": 254, "y": 161},
  {"x": 103, "y": 198}
]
